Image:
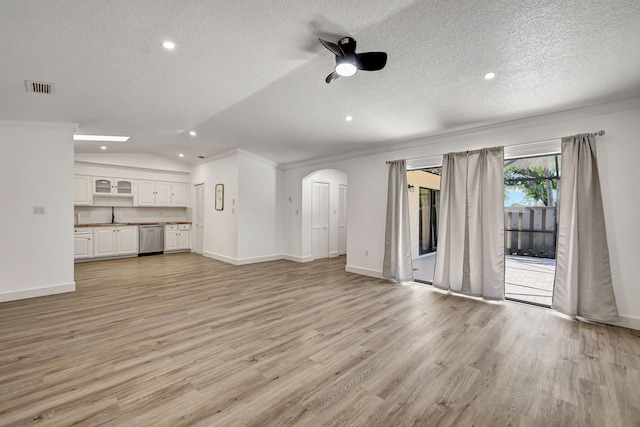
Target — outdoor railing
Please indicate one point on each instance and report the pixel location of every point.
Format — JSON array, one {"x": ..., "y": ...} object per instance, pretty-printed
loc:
[{"x": 530, "y": 231}]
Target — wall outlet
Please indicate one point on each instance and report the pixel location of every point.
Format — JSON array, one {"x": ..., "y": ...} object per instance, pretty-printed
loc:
[
  {"x": 297, "y": 211},
  {"x": 366, "y": 252},
  {"x": 39, "y": 210},
  {"x": 160, "y": 213}
]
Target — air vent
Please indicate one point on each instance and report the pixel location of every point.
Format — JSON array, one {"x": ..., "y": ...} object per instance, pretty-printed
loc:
[
  {"x": 40, "y": 87},
  {"x": 201, "y": 157}
]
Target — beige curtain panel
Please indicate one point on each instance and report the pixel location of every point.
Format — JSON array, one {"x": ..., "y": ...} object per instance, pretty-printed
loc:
[
  {"x": 470, "y": 254},
  {"x": 583, "y": 284},
  {"x": 397, "y": 243}
]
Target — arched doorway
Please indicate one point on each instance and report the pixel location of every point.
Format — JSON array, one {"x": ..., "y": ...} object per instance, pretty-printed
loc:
[{"x": 324, "y": 214}]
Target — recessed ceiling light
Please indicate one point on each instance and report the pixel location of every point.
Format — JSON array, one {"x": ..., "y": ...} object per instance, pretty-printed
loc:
[
  {"x": 169, "y": 45},
  {"x": 489, "y": 76},
  {"x": 181, "y": 155},
  {"x": 193, "y": 133},
  {"x": 348, "y": 118},
  {"x": 100, "y": 138},
  {"x": 103, "y": 147}
]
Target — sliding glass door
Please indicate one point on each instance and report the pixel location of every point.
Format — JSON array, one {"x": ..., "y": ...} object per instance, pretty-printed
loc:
[
  {"x": 530, "y": 205},
  {"x": 424, "y": 203}
]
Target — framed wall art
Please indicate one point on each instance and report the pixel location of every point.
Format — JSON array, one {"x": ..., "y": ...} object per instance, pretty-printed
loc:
[{"x": 219, "y": 204}]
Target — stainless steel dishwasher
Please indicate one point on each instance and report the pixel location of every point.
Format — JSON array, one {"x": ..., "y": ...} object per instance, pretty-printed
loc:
[{"x": 151, "y": 239}]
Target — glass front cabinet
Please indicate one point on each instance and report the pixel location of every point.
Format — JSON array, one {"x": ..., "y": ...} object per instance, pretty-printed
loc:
[{"x": 112, "y": 187}]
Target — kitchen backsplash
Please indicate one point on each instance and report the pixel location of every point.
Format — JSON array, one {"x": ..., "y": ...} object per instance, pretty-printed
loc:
[{"x": 100, "y": 214}]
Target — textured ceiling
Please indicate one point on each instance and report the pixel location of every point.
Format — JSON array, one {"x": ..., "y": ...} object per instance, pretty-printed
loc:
[{"x": 250, "y": 74}]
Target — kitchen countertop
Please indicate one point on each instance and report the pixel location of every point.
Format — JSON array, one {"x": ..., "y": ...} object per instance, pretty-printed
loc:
[{"x": 130, "y": 223}]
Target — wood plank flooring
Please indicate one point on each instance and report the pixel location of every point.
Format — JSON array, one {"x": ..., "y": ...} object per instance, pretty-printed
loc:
[{"x": 182, "y": 340}]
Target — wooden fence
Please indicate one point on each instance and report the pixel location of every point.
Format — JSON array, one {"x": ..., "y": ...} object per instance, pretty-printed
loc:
[{"x": 530, "y": 231}]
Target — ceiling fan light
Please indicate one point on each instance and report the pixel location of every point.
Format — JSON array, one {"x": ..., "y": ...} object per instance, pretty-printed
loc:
[{"x": 346, "y": 69}]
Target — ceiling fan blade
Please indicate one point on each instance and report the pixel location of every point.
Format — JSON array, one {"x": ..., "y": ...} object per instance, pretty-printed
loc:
[
  {"x": 371, "y": 61},
  {"x": 331, "y": 77},
  {"x": 334, "y": 48}
]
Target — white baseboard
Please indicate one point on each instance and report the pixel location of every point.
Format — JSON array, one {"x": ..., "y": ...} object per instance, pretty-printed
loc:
[
  {"x": 295, "y": 258},
  {"x": 258, "y": 259},
  {"x": 222, "y": 258},
  {"x": 243, "y": 261},
  {"x": 364, "y": 272},
  {"x": 333, "y": 254},
  {"x": 627, "y": 322},
  {"x": 37, "y": 292}
]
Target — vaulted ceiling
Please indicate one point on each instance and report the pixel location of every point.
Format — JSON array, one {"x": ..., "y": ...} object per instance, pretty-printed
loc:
[{"x": 250, "y": 74}]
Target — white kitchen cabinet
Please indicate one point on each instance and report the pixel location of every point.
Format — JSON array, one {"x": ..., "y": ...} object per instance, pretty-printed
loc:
[
  {"x": 104, "y": 241},
  {"x": 83, "y": 243},
  {"x": 160, "y": 193},
  {"x": 127, "y": 240},
  {"x": 163, "y": 194},
  {"x": 113, "y": 187},
  {"x": 178, "y": 194},
  {"x": 177, "y": 237},
  {"x": 82, "y": 190},
  {"x": 146, "y": 193},
  {"x": 115, "y": 241},
  {"x": 170, "y": 240},
  {"x": 183, "y": 239}
]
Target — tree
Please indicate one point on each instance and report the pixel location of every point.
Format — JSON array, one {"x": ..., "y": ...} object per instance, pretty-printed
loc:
[{"x": 536, "y": 177}]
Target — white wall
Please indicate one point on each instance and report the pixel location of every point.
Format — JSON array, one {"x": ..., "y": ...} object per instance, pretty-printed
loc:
[
  {"x": 259, "y": 208},
  {"x": 133, "y": 160},
  {"x": 618, "y": 151},
  {"x": 148, "y": 169},
  {"x": 36, "y": 169},
  {"x": 220, "y": 227}
]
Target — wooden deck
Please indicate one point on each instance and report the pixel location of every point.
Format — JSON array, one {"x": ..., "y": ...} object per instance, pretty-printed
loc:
[{"x": 177, "y": 340}]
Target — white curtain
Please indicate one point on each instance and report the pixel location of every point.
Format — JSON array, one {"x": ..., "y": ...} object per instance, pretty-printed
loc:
[
  {"x": 583, "y": 275},
  {"x": 470, "y": 254},
  {"x": 397, "y": 242}
]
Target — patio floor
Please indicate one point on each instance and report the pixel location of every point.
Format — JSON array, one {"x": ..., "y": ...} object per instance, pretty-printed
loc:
[{"x": 527, "y": 279}]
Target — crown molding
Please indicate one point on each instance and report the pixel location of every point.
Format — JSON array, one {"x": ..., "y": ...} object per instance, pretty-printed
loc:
[
  {"x": 257, "y": 158},
  {"x": 38, "y": 125},
  {"x": 227, "y": 153}
]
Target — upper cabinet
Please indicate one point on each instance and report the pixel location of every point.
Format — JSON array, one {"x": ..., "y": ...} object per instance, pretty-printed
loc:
[
  {"x": 113, "y": 187},
  {"x": 97, "y": 191},
  {"x": 158, "y": 193},
  {"x": 178, "y": 194},
  {"x": 82, "y": 190}
]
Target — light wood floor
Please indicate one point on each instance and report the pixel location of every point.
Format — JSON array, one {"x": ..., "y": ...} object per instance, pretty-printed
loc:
[{"x": 176, "y": 340}]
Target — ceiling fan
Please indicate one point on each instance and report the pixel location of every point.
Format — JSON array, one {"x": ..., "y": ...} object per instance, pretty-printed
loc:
[{"x": 348, "y": 62}]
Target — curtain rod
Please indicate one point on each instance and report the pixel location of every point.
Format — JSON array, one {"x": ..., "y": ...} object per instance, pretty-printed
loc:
[{"x": 598, "y": 133}]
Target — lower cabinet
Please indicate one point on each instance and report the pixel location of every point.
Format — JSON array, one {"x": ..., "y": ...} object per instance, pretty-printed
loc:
[
  {"x": 82, "y": 243},
  {"x": 177, "y": 237},
  {"x": 115, "y": 241}
]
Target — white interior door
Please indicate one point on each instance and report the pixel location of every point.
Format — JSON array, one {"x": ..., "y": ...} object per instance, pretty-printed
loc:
[
  {"x": 342, "y": 220},
  {"x": 320, "y": 220},
  {"x": 198, "y": 238}
]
